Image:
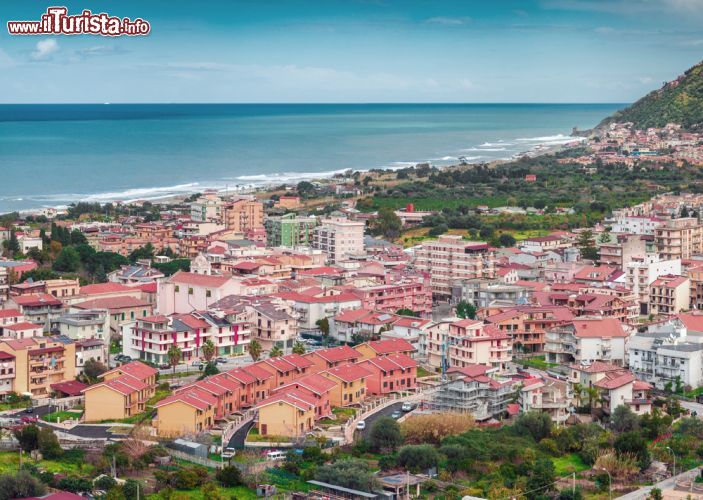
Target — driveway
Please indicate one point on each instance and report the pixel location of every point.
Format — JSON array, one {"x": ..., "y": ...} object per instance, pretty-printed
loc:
[
  {"x": 238, "y": 438},
  {"x": 666, "y": 484},
  {"x": 384, "y": 412}
]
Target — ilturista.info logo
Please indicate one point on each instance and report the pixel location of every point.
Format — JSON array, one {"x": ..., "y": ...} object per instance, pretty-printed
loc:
[{"x": 57, "y": 21}]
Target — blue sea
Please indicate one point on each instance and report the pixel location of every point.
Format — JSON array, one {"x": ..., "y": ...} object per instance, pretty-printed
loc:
[{"x": 53, "y": 155}]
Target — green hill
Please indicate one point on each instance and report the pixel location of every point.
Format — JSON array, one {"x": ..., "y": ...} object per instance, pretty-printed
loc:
[{"x": 679, "y": 101}]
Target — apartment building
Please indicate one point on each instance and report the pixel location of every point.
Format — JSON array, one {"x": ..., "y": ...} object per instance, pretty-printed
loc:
[
  {"x": 669, "y": 294},
  {"x": 310, "y": 309},
  {"x": 390, "y": 373},
  {"x": 41, "y": 362},
  {"x": 42, "y": 309},
  {"x": 679, "y": 238},
  {"x": 489, "y": 293},
  {"x": 186, "y": 291},
  {"x": 468, "y": 342},
  {"x": 360, "y": 323},
  {"x": 622, "y": 388},
  {"x": 695, "y": 275},
  {"x": 351, "y": 384},
  {"x": 526, "y": 325},
  {"x": 120, "y": 311},
  {"x": 587, "y": 340},
  {"x": 244, "y": 214},
  {"x": 207, "y": 208},
  {"x": 90, "y": 349},
  {"x": 412, "y": 292},
  {"x": 473, "y": 389},
  {"x": 450, "y": 258},
  {"x": 189, "y": 412},
  {"x": 88, "y": 324},
  {"x": 636, "y": 225},
  {"x": 339, "y": 238},
  {"x": 642, "y": 272},
  {"x": 272, "y": 323},
  {"x": 151, "y": 337},
  {"x": 622, "y": 251},
  {"x": 547, "y": 395},
  {"x": 289, "y": 230},
  {"x": 4, "y": 284}
]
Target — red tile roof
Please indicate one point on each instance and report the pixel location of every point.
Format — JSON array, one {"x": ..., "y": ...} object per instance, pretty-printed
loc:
[
  {"x": 120, "y": 302},
  {"x": 136, "y": 369},
  {"x": 691, "y": 321},
  {"x": 388, "y": 346},
  {"x": 295, "y": 398},
  {"x": 198, "y": 279},
  {"x": 36, "y": 300},
  {"x": 599, "y": 328},
  {"x": 349, "y": 372},
  {"x": 70, "y": 387},
  {"x": 336, "y": 354},
  {"x": 596, "y": 367},
  {"x": 9, "y": 313},
  {"x": 126, "y": 384},
  {"x": 613, "y": 380},
  {"x": 24, "y": 325},
  {"x": 100, "y": 288},
  {"x": 315, "y": 383},
  {"x": 195, "y": 398}
]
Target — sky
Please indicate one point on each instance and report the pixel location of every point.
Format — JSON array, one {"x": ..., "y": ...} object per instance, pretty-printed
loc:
[{"x": 357, "y": 51}]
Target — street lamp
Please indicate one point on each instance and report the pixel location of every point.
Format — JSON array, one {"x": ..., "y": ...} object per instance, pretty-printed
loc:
[
  {"x": 610, "y": 482},
  {"x": 673, "y": 472}
]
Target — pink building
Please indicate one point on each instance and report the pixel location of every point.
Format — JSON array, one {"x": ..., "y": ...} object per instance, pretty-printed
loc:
[
  {"x": 393, "y": 373},
  {"x": 468, "y": 342},
  {"x": 414, "y": 294}
]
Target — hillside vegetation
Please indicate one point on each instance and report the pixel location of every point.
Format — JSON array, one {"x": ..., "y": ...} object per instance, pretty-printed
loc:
[{"x": 679, "y": 101}]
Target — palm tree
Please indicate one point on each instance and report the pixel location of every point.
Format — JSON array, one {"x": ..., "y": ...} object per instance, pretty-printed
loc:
[
  {"x": 593, "y": 395},
  {"x": 174, "y": 354},
  {"x": 275, "y": 352},
  {"x": 254, "y": 349},
  {"x": 208, "y": 350},
  {"x": 578, "y": 393},
  {"x": 298, "y": 347}
]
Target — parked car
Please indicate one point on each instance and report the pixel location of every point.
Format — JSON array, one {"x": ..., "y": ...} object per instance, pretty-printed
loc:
[
  {"x": 361, "y": 425},
  {"x": 30, "y": 420},
  {"x": 126, "y": 359},
  {"x": 164, "y": 366},
  {"x": 407, "y": 406},
  {"x": 396, "y": 414},
  {"x": 221, "y": 360},
  {"x": 29, "y": 410},
  {"x": 228, "y": 453},
  {"x": 275, "y": 455}
]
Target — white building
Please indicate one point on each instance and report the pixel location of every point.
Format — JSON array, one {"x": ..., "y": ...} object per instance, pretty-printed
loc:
[
  {"x": 339, "y": 238},
  {"x": 88, "y": 324},
  {"x": 636, "y": 225},
  {"x": 185, "y": 292},
  {"x": 587, "y": 340},
  {"x": 640, "y": 273}
]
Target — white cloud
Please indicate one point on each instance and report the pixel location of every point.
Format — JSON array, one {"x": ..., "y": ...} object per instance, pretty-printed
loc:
[
  {"x": 448, "y": 21},
  {"x": 644, "y": 80},
  {"x": 44, "y": 49}
]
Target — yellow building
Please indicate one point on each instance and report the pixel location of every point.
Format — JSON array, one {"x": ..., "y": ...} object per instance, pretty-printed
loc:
[
  {"x": 115, "y": 399},
  {"x": 289, "y": 414},
  {"x": 385, "y": 347},
  {"x": 185, "y": 413},
  {"x": 40, "y": 362},
  {"x": 351, "y": 384},
  {"x": 144, "y": 373}
]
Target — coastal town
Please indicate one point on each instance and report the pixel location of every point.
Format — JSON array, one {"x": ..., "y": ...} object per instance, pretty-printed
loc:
[{"x": 239, "y": 331}]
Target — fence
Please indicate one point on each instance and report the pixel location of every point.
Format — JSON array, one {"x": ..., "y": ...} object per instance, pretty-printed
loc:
[{"x": 195, "y": 459}]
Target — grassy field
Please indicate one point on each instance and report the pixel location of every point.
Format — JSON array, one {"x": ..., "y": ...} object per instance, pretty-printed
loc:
[
  {"x": 61, "y": 416},
  {"x": 440, "y": 203},
  {"x": 254, "y": 436},
  {"x": 72, "y": 463},
  {"x": 537, "y": 362},
  {"x": 238, "y": 492},
  {"x": 568, "y": 464},
  {"x": 341, "y": 415}
]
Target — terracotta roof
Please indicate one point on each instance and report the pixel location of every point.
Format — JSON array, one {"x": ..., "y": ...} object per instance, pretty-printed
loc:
[
  {"x": 25, "y": 325},
  {"x": 470, "y": 370},
  {"x": 613, "y": 380},
  {"x": 691, "y": 321},
  {"x": 388, "y": 346},
  {"x": 391, "y": 362},
  {"x": 197, "y": 399},
  {"x": 295, "y": 398},
  {"x": 35, "y": 300},
  {"x": 9, "y": 313},
  {"x": 336, "y": 354},
  {"x": 199, "y": 279},
  {"x": 258, "y": 372},
  {"x": 120, "y": 302},
  {"x": 349, "y": 372},
  {"x": 315, "y": 383},
  {"x": 126, "y": 384},
  {"x": 599, "y": 328},
  {"x": 596, "y": 367},
  {"x": 100, "y": 288},
  {"x": 298, "y": 360},
  {"x": 136, "y": 369},
  {"x": 70, "y": 387}
]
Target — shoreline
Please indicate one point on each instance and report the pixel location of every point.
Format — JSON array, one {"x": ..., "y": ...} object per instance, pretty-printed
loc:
[{"x": 266, "y": 186}]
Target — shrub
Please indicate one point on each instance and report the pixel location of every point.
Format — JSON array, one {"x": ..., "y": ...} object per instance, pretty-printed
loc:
[
  {"x": 229, "y": 476},
  {"x": 418, "y": 458},
  {"x": 74, "y": 484},
  {"x": 348, "y": 473},
  {"x": 105, "y": 483},
  {"x": 385, "y": 434},
  {"x": 433, "y": 427},
  {"x": 387, "y": 462},
  {"x": 20, "y": 485}
]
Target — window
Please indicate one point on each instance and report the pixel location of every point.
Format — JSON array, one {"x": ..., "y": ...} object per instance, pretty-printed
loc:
[
  {"x": 177, "y": 288},
  {"x": 208, "y": 293},
  {"x": 190, "y": 291}
]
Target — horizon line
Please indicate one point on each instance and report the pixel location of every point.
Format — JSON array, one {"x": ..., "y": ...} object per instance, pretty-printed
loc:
[{"x": 306, "y": 103}]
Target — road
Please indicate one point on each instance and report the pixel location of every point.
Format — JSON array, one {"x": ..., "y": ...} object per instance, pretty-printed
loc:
[
  {"x": 86, "y": 431},
  {"x": 691, "y": 406},
  {"x": 666, "y": 484},
  {"x": 387, "y": 411},
  {"x": 238, "y": 438}
]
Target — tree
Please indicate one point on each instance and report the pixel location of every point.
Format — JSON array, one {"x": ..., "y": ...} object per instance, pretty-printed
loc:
[
  {"x": 305, "y": 189},
  {"x": 385, "y": 435},
  {"x": 633, "y": 442},
  {"x": 28, "y": 437},
  {"x": 407, "y": 312},
  {"x": 387, "y": 223},
  {"x": 210, "y": 370},
  {"x": 507, "y": 240},
  {"x": 623, "y": 419},
  {"x": 275, "y": 351},
  {"x": 655, "y": 494},
  {"x": 13, "y": 245},
  {"x": 68, "y": 261},
  {"x": 418, "y": 458},
  {"x": 438, "y": 230},
  {"x": 349, "y": 473},
  {"x": 229, "y": 476},
  {"x": 212, "y": 492},
  {"x": 299, "y": 347},
  {"x": 49, "y": 444},
  {"x": 535, "y": 423},
  {"x": 208, "y": 350},
  {"x": 324, "y": 326},
  {"x": 466, "y": 310},
  {"x": 255, "y": 350},
  {"x": 20, "y": 485},
  {"x": 587, "y": 246},
  {"x": 542, "y": 477},
  {"x": 174, "y": 354},
  {"x": 78, "y": 238},
  {"x": 92, "y": 369},
  {"x": 133, "y": 489}
]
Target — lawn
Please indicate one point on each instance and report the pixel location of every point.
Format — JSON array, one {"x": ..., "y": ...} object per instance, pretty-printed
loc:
[
  {"x": 537, "y": 362},
  {"x": 62, "y": 416},
  {"x": 421, "y": 372},
  {"x": 14, "y": 406},
  {"x": 158, "y": 396},
  {"x": 568, "y": 464},
  {"x": 341, "y": 415},
  {"x": 255, "y": 437},
  {"x": 239, "y": 492},
  {"x": 71, "y": 463}
]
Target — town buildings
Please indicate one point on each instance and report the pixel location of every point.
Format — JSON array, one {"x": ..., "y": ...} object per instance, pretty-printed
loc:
[{"x": 339, "y": 238}]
